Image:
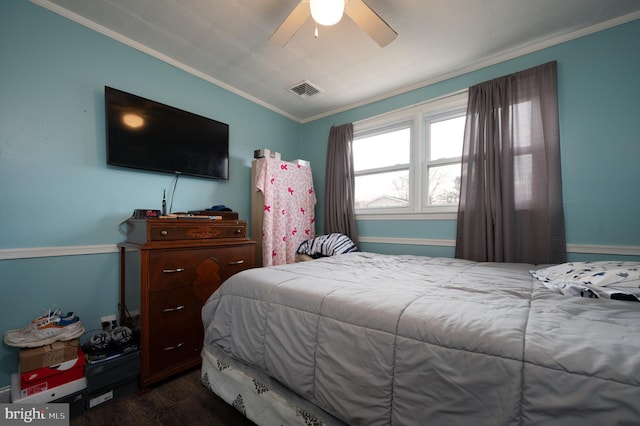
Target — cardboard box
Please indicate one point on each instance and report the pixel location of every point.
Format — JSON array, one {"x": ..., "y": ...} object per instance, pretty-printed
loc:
[
  {"x": 304, "y": 163},
  {"x": 76, "y": 401},
  {"x": 113, "y": 378},
  {"x": 105, "y": 373},
  {"x": 46, "y": 356},
  {"x": 259, "y": 153},
  {"x": 43, "y": 379},
  {"x": 111, "y": 393},
  {"x": 49, "y": 395}
]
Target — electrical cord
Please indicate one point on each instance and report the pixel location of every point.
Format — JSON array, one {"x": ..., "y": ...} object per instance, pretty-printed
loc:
[
  {"x": 124, "y": 224},
  {"x": 121, "y": 226},
  {"x": 175, "y": 184}
]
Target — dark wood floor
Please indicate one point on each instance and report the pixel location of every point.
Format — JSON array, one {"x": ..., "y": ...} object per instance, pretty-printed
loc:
[{"x": 180, "y": 401}]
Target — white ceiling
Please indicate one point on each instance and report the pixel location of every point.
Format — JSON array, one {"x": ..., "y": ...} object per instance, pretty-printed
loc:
[{"x": 225, "y": 42}]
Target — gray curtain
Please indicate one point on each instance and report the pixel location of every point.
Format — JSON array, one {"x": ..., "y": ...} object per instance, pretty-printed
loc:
[
  {"x": 339, "y": 215},
  {"x": 511, "y": 190}
]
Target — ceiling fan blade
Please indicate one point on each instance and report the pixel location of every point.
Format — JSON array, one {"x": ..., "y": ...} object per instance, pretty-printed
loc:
[
  {"x": 370, "y": 22},
  {"x": 291, "y": 24}
]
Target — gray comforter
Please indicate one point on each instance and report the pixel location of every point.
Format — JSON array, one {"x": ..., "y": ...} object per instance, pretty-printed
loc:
[{"x": 409, "y": 340}]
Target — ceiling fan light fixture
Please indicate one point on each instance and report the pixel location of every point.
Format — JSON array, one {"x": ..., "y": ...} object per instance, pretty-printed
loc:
[{"x": 327, "y": 12}]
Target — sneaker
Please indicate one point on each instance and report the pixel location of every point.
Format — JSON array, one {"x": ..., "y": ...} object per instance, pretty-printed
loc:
[
  {"x": 41, "y": 321},
  {"x": 45, "y": 330},
  {"x": 98, "y": 346},
  {"x": 122, "y": 339}
]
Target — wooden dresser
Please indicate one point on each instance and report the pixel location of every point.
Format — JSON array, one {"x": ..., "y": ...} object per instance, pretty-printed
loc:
[{"x": 168, "y": 269}]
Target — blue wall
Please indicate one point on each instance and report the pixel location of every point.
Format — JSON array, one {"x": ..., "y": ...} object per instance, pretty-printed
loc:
[
  {"x": 55, "y": 187},
  {"x": 57, "y": 191},
  {"x": 599, "y": 112}
]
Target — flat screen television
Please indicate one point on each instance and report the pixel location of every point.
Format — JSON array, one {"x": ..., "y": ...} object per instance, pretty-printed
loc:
[{"x": 144, "y": 134}]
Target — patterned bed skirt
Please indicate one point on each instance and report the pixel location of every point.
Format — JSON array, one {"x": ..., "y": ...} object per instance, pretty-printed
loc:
[{"x": 257, "y": 396}]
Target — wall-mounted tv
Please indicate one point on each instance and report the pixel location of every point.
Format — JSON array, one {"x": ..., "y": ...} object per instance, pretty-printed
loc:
[{"x": 148, "y": 135}]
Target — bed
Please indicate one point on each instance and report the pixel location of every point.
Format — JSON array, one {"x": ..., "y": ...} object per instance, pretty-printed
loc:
[{"x": 371, "y": 339}]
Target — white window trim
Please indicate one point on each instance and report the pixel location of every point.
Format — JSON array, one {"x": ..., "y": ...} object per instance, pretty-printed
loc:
[{"x": 417, "y": 115}]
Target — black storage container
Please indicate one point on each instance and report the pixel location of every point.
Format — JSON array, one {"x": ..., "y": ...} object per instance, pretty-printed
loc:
[
  {"x": 76, "y": 403},
  {"x": 111, "y": 379}
]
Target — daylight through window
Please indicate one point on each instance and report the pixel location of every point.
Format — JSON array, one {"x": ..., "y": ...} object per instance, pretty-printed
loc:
[{"x": 408, "y": 161}]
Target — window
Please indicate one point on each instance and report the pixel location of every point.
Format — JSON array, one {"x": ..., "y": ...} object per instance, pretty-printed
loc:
[
  {"x": 445, "y": 136},
  {"x": 408, "y": 161},
  {"x": 381, "y": 161}
]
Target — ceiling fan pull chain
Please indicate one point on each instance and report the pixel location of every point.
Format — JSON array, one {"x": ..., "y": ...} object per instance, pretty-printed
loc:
[{"x": 330, "y": 12}]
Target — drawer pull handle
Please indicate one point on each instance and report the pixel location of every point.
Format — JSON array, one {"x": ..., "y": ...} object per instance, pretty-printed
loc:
[
  {"x": 170, "y": 348},
  {"x": 237, "y": 262},
  {"x": 238, "y": 231},
  {"x": 172, "y": 271},
  {"x": 164, "y": 233},
  {"x": 177, "y": 308}
]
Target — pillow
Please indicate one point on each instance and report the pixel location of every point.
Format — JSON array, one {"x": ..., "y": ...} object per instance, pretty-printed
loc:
[
  {"x": 606, "y": 279},
  {"x": 327, "y": 245}
]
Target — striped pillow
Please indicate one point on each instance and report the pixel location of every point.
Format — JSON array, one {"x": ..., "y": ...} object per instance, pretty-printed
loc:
[{"x": 327, "y": 245}]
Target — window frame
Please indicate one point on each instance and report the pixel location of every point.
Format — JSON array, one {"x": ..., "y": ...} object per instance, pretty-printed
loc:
[
  {"x": 418, "y": 117},
  {"x": 394, "y": 123}
]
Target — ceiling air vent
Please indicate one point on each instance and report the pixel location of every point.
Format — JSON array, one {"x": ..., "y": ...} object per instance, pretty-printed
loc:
[{"x": 305, "y": 89}]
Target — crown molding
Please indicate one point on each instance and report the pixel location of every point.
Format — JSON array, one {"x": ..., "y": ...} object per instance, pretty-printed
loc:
[
  {"x": 517, "y": 52},
  {"x": 154, "y": 53}
]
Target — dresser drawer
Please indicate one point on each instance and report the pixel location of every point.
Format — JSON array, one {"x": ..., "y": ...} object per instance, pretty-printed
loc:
[
  {"x": 190, "y": 267},
  {"x": 170, "y": 269},
  {"x": 175, "y": 307},
  {"x": 168, "y": 231},
  {"x": 175, "y": 346},
  {"x": 159, "y": 230},
  {"x": 235, "y": 259}
]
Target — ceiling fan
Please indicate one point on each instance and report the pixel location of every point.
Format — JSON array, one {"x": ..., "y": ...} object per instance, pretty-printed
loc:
[{"x": 329, "y": 12}]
